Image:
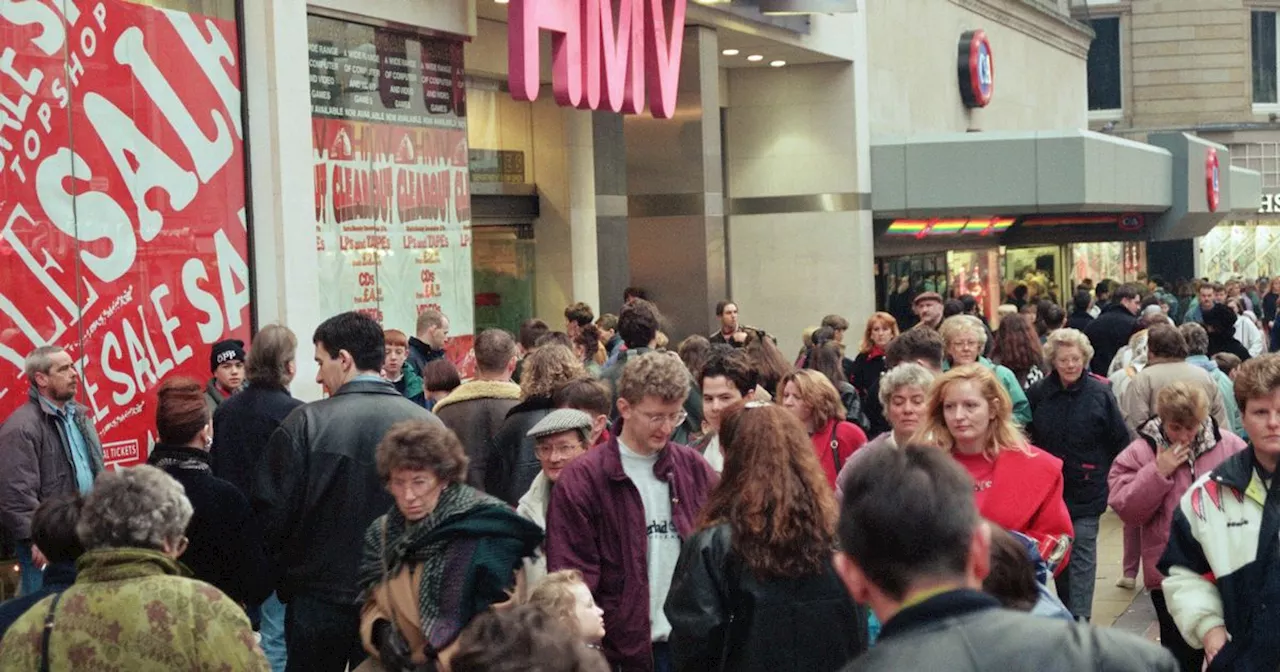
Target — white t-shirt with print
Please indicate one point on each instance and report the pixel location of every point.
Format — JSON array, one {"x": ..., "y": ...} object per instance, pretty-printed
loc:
[{"x": 664, "y": 541}]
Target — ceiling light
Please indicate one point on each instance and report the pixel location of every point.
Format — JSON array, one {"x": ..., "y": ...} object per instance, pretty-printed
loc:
[
  {"x": 501, "y": 2},
  {"x": 755, "y": 58},
  {"x": 730, "y": 52},
  {"x": 777, "y": 64}
]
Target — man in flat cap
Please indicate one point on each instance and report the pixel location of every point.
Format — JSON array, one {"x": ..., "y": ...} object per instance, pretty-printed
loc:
[{"x": 561, "y": 437}]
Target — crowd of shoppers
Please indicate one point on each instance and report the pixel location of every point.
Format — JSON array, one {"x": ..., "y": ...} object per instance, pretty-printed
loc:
[{"x": 597, "y": 497}]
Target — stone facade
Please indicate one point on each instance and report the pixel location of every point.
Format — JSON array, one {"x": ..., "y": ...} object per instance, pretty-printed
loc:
[{"x": 1038, "y": 57}]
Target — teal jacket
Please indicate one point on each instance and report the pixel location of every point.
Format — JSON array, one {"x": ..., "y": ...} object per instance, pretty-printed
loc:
[{"x": 1021, "y": 407}]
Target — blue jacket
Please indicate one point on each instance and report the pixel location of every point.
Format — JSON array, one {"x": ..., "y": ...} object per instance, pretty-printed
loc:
[{"x": 58, "y": 576}]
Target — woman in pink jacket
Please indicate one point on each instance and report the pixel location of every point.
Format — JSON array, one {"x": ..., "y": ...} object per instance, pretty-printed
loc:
[{"x": 1179, "y": 444}]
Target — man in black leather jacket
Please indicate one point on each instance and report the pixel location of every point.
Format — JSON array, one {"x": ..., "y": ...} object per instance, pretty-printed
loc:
[
  {"x": 934, "y": 614},
  {"x": 316, "y": 490}
]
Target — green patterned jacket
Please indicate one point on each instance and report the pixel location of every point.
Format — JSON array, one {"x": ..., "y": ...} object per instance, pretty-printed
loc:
[{"x": 134, "y": 610}]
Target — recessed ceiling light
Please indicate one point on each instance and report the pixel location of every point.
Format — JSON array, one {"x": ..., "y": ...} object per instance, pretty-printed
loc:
[
  {"x": 730, "y": 52},
  {"x": 755, "y": 57},
  {"x": 777, "y": 64},
  {"x": 501, "y": 2}
]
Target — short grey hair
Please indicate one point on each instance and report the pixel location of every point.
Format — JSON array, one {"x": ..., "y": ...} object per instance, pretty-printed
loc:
[
  {"x": 1197, "y": 338},
  {"x": 138, "y": 507},
  {"x": 1066, "y": 337},
  {"x": 40, "y": 361},
  {"x": 960, "y": 325},
  {"x": 903, "y": 375}
]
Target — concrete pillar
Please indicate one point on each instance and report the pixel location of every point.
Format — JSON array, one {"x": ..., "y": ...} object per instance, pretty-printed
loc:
[
  {"x": 613, "y": 250},
  {"x": 564, "y": 170},
  {"x": 800, "y": 225},
  {"x": 279, "y": 141},
  {"x": 675, "y": 190}
]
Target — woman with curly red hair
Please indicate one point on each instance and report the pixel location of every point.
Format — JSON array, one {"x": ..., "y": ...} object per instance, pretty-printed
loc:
[{"x": 755, "y": 588}]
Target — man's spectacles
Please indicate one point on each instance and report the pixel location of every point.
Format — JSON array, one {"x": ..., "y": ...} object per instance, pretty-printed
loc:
[
  {"x": 659, "y": 419},
  {"x": 563, "y": 450}
]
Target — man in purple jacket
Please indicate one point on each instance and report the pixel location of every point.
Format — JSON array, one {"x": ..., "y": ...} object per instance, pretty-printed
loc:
[{"x": 619, "y": 513}]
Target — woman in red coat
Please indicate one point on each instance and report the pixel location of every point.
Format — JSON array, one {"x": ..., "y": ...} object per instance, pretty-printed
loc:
[
  {"x": 815, "y": 401},
  {"x": 1017, "y": 486}
]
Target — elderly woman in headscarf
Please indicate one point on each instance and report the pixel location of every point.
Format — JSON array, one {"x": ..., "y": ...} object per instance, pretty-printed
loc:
[{"x": 443, "y": 554}]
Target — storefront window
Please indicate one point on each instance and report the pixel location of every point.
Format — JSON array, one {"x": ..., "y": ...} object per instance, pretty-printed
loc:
[
  {"x": 500, "y": 136},
  {"x": 900, "y": 279},
  {"x": 1039, "y": 268},
  {"x": 1120, "y": 261},
  {"x": 124, "y": 232},
  {"x": 393, "y": 205},
  {"x": 976, "y": 273},
  {"x": 503, "y": 259},
  {"x": 1250, "y": 250}
]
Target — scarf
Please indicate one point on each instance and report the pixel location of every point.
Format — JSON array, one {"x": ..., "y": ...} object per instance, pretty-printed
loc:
[
  {"x": 1153, "y": 431},
  {"x": 469, "y": 548}
]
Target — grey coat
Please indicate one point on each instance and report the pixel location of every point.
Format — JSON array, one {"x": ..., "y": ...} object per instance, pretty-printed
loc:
[{"x": 37, "y": 462}]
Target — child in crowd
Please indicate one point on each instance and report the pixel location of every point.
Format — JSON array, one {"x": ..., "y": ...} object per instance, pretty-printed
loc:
[{"x": 565, "y": 596}]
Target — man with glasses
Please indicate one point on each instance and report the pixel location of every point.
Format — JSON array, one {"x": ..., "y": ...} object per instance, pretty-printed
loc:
[
  {"x": 560, "y": 438},
  {"x": 618, "y": 513}
]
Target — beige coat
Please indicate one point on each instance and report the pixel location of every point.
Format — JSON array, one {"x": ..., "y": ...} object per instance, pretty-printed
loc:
[{"x": 1138, "y": 402}]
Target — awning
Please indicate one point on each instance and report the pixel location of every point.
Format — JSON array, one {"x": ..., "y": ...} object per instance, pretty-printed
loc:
[{"x": 1054, "y": 187}]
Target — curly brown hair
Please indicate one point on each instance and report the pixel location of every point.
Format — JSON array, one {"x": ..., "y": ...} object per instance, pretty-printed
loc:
[
  {"x": 1017, "y": 347},
  {"x": 419, "y": 445},
  {"x": 772, "y": 493},
  {"x": 547, "y": 368}
]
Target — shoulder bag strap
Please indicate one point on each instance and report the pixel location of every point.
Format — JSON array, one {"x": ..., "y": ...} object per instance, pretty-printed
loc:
[
  {"x": 48, "y": 631},
  {"x": 835, "y": 448}
]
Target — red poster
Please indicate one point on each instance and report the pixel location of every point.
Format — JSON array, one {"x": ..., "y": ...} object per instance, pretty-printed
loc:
[{"x": 122, "y": 207}]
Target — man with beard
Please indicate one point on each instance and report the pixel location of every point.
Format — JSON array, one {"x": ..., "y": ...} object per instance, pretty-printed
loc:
[{"x": 48, "y": 447}]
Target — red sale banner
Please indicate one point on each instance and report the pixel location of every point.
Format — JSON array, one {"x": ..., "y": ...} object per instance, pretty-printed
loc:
[{"x": 122, "y": 203}]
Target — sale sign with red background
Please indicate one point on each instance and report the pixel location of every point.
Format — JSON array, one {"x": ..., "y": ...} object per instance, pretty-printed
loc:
[{"x": 123, "y": 233}]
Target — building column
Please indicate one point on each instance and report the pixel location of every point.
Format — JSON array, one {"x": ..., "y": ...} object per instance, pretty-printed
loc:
[
  {"x": 283, "y": 185},
  {"x": 564, "y": 169},
  {"x": 613, "y": 255},
  {"x": 798, "y": 172},
  {"x": 675, "y": 194}
]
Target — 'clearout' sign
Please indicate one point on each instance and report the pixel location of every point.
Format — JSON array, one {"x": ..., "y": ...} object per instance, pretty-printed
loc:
[
  {"x": 122, "y": 206},
  {"x": 596, "y": 65}
]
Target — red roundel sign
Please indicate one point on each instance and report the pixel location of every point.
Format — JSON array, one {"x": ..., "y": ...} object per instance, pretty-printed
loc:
[
  {"x": 975, "y": 69},
  {"x": 1212, "y": 183}
]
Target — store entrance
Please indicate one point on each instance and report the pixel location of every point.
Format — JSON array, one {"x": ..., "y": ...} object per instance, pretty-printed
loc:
[
  {"x": 1041, "y": 270},
  {"x": 502, "y": 268}
]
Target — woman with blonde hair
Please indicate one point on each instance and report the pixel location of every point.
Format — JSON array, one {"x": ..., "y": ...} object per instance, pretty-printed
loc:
[
  {"x": 869, "y": 365},
  {"x": 1016, "y": 485},
  {"x": 965, "y": 339},
  {"x": 756, "y": 579},
  {"x": 816, "y": 403}
]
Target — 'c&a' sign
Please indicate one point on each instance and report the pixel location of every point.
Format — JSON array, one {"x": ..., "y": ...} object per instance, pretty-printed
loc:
[{"x": 595, "y": 65}]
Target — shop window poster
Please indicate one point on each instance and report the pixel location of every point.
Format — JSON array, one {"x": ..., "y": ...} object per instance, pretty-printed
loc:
[
  {"x": 392, "y": 200},
  {"x": 123, "y": 233}
]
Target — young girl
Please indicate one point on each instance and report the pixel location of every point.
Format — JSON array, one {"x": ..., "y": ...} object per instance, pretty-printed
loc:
[{"x": 565, "y": 596}]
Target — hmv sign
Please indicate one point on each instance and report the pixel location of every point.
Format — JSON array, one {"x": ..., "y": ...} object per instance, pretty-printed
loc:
[{"x": 601, "y": 59}]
